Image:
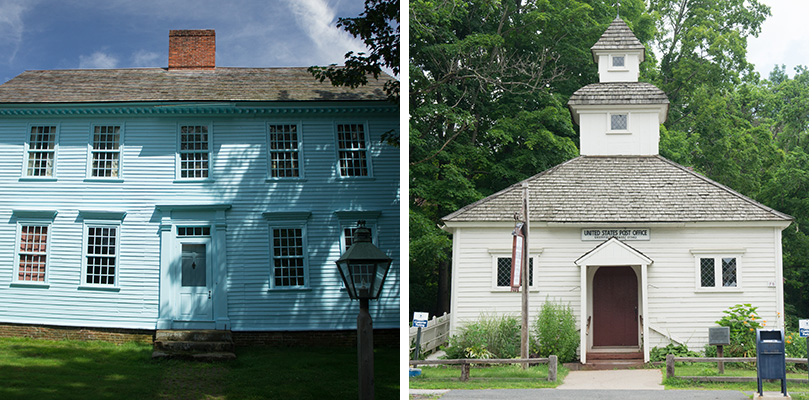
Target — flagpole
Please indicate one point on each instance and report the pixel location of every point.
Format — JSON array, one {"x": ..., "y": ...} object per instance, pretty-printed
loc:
[{"x": 524, "y": 330}]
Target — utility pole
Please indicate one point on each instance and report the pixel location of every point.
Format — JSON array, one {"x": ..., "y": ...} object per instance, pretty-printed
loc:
[{"x": 524, "y": 279}]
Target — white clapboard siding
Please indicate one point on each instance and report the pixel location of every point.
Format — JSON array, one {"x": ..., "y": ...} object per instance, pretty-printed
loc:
[
  {"x": 676, "y": 308},
  {"x": 239, "y": 172}
]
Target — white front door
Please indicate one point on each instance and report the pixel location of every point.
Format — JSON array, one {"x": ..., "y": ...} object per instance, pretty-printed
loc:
[{"x": 195, "y": 280}]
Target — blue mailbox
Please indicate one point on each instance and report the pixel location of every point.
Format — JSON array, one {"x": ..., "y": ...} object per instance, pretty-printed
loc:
[{"x": 771, "y": 358}]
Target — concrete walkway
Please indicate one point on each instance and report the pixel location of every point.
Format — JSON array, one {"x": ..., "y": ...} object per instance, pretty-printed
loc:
[{"x": 624, "y": 379}]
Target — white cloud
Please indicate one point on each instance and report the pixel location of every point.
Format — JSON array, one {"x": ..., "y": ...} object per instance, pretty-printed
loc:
[
  {"x": 143, "y": 58},
  {"x": 98, "y": 60},
  {"x": 317, "y": 20},
  {"x": 785, "y": 37},
  {"x": 12, "y": 26}
]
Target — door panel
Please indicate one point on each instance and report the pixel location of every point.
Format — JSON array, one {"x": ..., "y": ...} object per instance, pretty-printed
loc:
[
  {"x": 615, "y": 307},
  {"x": 195, "y": 282}
]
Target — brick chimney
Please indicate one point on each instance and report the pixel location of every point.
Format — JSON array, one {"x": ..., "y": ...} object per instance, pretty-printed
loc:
[{"x": 192, "y": 49}]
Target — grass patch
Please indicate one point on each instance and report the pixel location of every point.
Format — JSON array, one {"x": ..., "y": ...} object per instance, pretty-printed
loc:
[
  {"x": 798, "y": 391},
  {"x": 66, "y": 370},
  {"x": 483, "y": 377}
]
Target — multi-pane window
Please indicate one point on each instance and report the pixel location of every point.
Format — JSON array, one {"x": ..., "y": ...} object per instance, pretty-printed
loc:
[
  {"x": 504, "y": 272},
  {"x": 193, "y": 231},
  {"x": 41, "y": 151},
  {"x": 618, "y": 61},
  {"x": 289, "y": 267},
  {"x": 284, "y": 159},
  {"x": 194, "y": 155},
  {"x": 352, "y": 151},
  {"x": 348, "y": 235},
  {"x": 717, "y": 272},
  {"x": 106, "y": 152},
  {"x": 618, "y": 122},
  {"x": 101, "y": 255},
  {"x": 32, "y": 253}
]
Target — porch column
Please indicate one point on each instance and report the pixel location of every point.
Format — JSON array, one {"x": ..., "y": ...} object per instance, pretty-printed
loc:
[
  {"x": 645, "y": 330},
  {"x": 165, "y": 313},
  {"x": 583, "y": 318},
  {"x": 220, "y": 295}
]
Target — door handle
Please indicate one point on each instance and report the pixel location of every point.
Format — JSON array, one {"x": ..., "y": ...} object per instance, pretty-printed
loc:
[{"x": 209, "y": 295}]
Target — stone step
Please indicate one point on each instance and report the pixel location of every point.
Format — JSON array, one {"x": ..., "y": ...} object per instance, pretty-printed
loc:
[
  {"x": 193, "y": 336},
  {"x": 624, "y": 355},
  {"x": 611, "y": 364},
  {"x": 191, "y": 346},
  {"x": 207, "y": 357}
]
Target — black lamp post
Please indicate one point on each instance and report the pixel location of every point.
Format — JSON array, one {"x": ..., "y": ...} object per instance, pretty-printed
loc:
[{"x": 363, "y": 268}]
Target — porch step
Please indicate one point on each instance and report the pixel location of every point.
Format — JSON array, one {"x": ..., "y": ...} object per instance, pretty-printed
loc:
[
  {"x": 200, "y": 345},
  {"x": 592, "y": 365},
  {"x": 616, "y": 355}
]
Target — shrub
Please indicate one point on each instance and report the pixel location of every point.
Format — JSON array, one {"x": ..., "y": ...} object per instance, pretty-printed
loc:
[
  {"x": 556, "y": 332},
  {"x": 743, "y": 322},
  {"x": 488, "y": 337},
  {"x": 795, "y": 347},
  {"x": 660, "y": 353}
]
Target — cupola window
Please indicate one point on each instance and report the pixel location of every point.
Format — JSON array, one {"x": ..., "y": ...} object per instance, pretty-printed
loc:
[
  {"x": 618, "y": 61},
  {"x": 618, "y": 122}
]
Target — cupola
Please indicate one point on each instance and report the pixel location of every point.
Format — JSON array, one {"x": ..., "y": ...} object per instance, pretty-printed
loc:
[{"x": 619, "y": 115}]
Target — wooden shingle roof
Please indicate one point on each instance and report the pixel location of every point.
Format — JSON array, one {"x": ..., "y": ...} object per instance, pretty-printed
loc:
[
  {"x": 618, "y": 36},
  {"x": 618, "y": 93},
  {"x": 619, "y": 189},
  {"x": 160, "y": 84}
]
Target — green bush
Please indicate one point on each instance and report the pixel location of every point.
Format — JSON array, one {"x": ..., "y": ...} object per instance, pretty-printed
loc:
[
  {"x": 555, "y": 332},
  {"x": 488, "y": 337},
  {"x": 660, "y": 353},
  {"x": 743, "y": 322},
  {"x": 795, "y": 347}
]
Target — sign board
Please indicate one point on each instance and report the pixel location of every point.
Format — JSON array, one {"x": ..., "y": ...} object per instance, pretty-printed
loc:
[
  {"x": 804, "y": 327},
  {"x": 420, "y": 319},
  {"x": 719, "y": 336},
  {"x": 619, "y": 233}
]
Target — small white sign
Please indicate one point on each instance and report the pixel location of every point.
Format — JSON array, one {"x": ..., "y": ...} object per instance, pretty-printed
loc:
[
  {"x": 618, "y": 233},
  {"x": 420, "y": 319},
  {"x": 804, "y": 327}
]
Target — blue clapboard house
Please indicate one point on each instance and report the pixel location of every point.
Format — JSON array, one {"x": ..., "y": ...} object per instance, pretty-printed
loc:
[{"x": 192, "y": 197}]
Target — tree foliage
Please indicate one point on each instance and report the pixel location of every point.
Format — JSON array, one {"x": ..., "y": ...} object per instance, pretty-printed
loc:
[{"x": 378, "y": 27}]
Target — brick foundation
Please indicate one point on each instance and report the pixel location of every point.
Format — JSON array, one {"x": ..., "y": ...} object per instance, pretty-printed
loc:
[
  {"x": 382, "y": 338},
  {"x": 348, "y": 338},
  {"x": 50, "y": 332}
]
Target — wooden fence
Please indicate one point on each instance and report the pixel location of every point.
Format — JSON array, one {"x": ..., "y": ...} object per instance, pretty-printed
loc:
[
  {"x": 434, "y": 335},
  {"x": 671, "y": 359},
  {"x": 466, "y": 362}
]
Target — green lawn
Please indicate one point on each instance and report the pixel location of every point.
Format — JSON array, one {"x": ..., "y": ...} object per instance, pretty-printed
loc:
[
  {"x": 797, "y": 390},
  {"x": 64, "y": 370},
  {"x": 492, "y": 377}
]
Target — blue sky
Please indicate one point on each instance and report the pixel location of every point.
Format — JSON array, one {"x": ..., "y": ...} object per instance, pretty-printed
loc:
[
  {"x": 62, "y": 34},
  {"x": 59, "y": 34}
]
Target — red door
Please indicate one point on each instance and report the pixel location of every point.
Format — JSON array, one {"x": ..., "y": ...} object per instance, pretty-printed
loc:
[{"x": 615, "y": 307}]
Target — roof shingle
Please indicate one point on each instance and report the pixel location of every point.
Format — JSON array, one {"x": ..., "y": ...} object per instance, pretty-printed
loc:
[
  {"x": 618, "y": 93},
  {"x": 159, "y": 84},
  {"x": 619, "y": 189},
  {"x": 618, "y": 36}
]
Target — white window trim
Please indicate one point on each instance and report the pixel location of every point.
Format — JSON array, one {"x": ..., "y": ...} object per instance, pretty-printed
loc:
[
  {"x": 366, "y": 135},
  {"x": 624, "y": 67},
  {"x": 24, "y": 173},
  {"x": 94, "y": 218},
  {"x": 612, "y": 131},
  {"x": 89, "y": 170},
  {"x": 288, "y": 220},
  {"x": 718, "y": 269},
  {"x": 299, "y": 130},
  {"x": 15, "y": 280},
  {"x": 495, "y": 255},
  {"x": 177, "y": 172}
]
